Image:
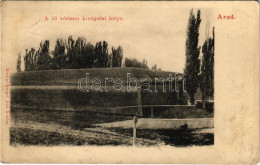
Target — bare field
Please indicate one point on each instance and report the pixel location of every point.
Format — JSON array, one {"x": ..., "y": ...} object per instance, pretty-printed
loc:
[{"x": 46, "y": 127}]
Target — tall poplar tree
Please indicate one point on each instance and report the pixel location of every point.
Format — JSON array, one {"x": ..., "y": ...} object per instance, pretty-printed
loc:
[
  {"x": 207, "y": 69},
  {"x": 192, "y": 65}
]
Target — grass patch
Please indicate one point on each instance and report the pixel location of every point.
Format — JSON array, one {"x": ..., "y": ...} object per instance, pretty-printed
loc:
[
  {"x": 178, "y": 113},
  {"x": 76, "y": 120},
  {"x": 181, "y": 137},
  {"x": 27, "y": 136}
]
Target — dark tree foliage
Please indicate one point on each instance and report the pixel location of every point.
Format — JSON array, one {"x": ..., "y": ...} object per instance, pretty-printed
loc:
[
  {"x": 74, "y": 54},
  {"x": 135, "y": 63},
  {"x": 192, "y": 65},
  {"x": 59, "y": 54},
  {"x": 80, "y": 51},
  {"x": 18, "y": 65},
  {"x": 207, "y": 69},
  {"x": 88, "y": 57},
  {"x": 31, "y": 59},
  {"x": 101, "y": 52},
  {"x": 144, "y": 62},
  {"x": 44, "y": 61},
  {"x": 71, "y": 53},
  {"x": 117, "y": 56},
  {"x": 154, "y": 67}
]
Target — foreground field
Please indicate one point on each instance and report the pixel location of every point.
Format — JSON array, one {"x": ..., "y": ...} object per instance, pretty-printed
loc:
[
  {"x": 33, "y": 133},
  {"x": 46, "y": 127}
]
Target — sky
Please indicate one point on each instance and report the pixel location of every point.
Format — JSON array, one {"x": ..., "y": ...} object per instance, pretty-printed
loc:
[{"x": 157, "y": 34}]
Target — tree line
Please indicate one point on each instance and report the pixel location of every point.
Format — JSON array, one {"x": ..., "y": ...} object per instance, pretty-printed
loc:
[
  {"x": 75, "y": 54},
  {"x": 71, "y": 54},
  {"x": 199, "y": 72}
]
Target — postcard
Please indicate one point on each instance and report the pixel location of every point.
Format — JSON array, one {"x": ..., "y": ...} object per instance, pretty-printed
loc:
[{"x": 130, "y": 82}]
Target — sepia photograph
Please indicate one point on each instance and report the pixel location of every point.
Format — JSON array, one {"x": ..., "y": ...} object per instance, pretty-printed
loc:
[
  {"x": 122, "y": 90},
  {"x": 129, "y": 82}
]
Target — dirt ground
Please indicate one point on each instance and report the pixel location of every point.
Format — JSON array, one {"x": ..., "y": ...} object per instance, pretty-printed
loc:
[{"x": 48, "y": 128}]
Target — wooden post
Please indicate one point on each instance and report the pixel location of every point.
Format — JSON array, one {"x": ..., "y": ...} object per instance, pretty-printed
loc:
[
  {"x": 152, "y": 112},
  {"x": 139, "y": 102},
  {"x": 203, "y": 101},
  {"x": 134, "y": 130}
]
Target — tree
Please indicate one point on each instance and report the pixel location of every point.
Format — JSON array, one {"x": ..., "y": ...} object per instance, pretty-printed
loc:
[
  {"x": 154, "y": 67},
  {"x": 117, "y": 56},
  {"x": 18, "y": 66},
  {"x": 79, "y": 52},
  {"x": 88, "y": 56},
  {"x": 30, "y": 59},
  {"x": 207, "y": 69},
  {"x": 101, "y": 52},
  {"x": 44, "y": 60},
  {"x": 135, "y": 63},
  {"x": 26, "y": 62},
  {"x": 59, "y": 54},
  {"x": 71, "y": 53},
  {"x": 192, "y": 64},
  {"x": 144, "y": 62}
]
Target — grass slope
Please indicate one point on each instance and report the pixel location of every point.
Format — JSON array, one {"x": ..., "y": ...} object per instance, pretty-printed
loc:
[{"x": 71, "y": 76}]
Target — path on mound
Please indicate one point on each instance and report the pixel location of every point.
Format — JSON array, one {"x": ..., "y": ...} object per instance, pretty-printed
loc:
[{"x": 144, "y": 123}]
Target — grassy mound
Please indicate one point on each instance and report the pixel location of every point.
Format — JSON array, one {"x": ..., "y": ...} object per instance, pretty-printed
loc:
[{"x": 71, "y": 76}]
